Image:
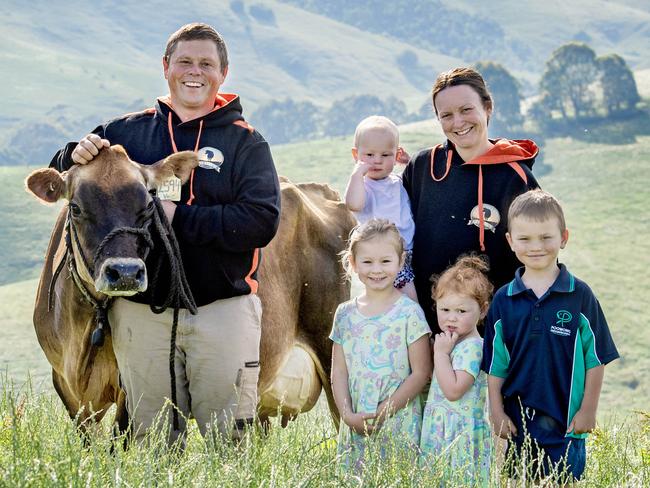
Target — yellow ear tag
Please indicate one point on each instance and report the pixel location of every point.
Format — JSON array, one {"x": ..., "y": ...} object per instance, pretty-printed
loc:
[{"x": 170, "y": 189}]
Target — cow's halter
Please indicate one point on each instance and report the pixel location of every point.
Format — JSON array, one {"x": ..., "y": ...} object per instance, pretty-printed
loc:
[
  {"x": 179, "y": 294},
  {"x": 99, "y": 305}
]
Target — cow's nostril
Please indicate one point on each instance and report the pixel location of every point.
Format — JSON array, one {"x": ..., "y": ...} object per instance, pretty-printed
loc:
[
  {"x": 112, "y": 275},
  {"x": 140, "y": 275}
]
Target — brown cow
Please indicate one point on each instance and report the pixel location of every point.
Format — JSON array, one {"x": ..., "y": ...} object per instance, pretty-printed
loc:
[
  {"x": 300, "y": 286},
  {"x": 109, "y": 194},
  {"x": 300, "y": 282}
]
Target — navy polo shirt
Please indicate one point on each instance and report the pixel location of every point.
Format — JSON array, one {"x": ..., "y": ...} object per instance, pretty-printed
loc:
[{"x": 544, "y": 346}]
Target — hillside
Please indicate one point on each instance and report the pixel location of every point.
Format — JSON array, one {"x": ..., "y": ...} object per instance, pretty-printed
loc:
[
  {"x": 84, "y": 62},
  {"x": 87, "y": 62},
  {"x": 520, "y": 35},
  {"x": 606, "y": 202}
]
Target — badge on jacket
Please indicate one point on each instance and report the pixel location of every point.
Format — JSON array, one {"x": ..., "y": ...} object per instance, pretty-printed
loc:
[
  {"x": 210, "y": 158},
  {"x": 491, "y": 217}
]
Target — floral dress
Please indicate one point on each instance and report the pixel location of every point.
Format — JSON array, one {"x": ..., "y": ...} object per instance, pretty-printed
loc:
[
  {"x": 376, "y": 357},
  {"x": 459, "y": 430}
]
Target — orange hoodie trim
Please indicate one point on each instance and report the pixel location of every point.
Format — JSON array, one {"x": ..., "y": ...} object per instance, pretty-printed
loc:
[
  {"x": 449, "y": 158},
  {"x": 503, "y": 151},
  {"x": 252, "y": 283},
  {"x": 220, "y": 101},
  {"x": 245, "y": 125}
]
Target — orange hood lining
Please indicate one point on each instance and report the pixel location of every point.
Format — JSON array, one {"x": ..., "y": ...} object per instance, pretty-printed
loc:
[{"x": 504, "y": 151}]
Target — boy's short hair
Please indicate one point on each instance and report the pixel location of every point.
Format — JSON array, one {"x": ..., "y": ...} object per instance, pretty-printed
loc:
[
  {"x": 198, "y": 31},
  {"x": 536, "y": 205},
  {"x": 375, "y": 122}
]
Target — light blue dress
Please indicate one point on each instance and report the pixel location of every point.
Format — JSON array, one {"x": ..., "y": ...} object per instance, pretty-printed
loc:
[
  {"x": 459, "y": 430},
  {"x": 376, "y": 357}
]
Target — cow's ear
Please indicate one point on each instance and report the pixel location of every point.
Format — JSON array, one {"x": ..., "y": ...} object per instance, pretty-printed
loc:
[
  {"x": 179, "y": 164},
  {"x": 48, "y": 185}
]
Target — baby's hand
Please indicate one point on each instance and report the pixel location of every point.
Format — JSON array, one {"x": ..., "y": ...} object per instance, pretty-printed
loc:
[
  {"x": 444, "y": 343},
  {"x": 402, "y": 156},
  {"x": 358, "y": 422},
  {"x": 361, "y": 167}
]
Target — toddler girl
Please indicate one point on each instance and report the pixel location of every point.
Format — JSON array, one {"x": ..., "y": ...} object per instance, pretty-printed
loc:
[
  {"x": 380, "y": 357},
  {"x": 455, "y": 424}
]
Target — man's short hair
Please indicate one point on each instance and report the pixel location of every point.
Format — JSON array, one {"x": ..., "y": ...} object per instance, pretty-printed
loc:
[
  {"x": 198, "y": 31},
  {"x": 537, "y": 205},
  {"x": 376, "y": 122}
]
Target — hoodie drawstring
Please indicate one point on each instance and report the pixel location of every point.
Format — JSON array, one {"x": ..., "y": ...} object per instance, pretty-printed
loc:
[
  {"x": 515, "y": 165},
  {"x": 196, "y": 149},
  {"x": 449, "y": 156}
]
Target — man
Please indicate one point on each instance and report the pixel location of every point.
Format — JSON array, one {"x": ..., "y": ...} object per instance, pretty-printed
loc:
[{"x": 227, "y": 211}]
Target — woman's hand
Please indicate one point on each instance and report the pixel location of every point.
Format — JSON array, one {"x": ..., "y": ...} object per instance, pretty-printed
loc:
[{"x": 402, "y": 157}]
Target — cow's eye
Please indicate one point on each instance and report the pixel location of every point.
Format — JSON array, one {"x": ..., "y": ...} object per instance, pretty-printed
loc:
[{"x": 75, "y": 210}]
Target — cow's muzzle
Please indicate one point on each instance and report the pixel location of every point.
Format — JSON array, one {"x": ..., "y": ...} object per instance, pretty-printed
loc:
[{"x": 122, "y": 277}]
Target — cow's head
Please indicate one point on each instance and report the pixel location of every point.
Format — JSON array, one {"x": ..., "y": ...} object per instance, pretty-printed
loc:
[{"x": 112, "y": 192}]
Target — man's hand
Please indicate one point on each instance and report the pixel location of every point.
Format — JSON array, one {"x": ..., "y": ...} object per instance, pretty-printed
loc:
[
  {"x": 169, "y": 208},
  {"x": 583, "y": 421},
  {"x": 444, "y": 342},
  {"x": 88, "y": 148},
  {"x": 358, "y": 422},
  {"x": 502, "y": 425}
]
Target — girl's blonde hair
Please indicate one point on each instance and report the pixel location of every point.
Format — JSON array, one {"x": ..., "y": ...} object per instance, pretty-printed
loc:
[
  {"x": 466, "y": 277},
  {"x": 365, "y": 232}
]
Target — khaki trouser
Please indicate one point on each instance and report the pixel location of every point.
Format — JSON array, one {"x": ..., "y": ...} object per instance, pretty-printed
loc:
[{"x": 216, "y": 363}]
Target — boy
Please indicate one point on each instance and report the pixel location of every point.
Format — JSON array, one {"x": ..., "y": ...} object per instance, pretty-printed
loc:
[
  {"x": 373, "y": 190},
  {"x": 546, "y": 344}
]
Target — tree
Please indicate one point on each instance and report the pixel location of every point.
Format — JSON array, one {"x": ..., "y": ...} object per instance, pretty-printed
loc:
[
  {"x": 568, "y": 80},
  {"x": 506, "y": 115},
  {"x": 344, "y": 115},
  {"x": 287, "y": 121},
  {"x": 619, "y": 88}
]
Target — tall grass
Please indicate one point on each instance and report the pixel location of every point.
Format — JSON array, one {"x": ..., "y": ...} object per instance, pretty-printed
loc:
[{"x": 39, "y": 446}]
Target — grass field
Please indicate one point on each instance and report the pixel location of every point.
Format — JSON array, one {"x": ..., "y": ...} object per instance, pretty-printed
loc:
[
  {"x": 603, "y": 188},
  {"x": 604, "y": 191},
  {"x": 40, "y": 448}
]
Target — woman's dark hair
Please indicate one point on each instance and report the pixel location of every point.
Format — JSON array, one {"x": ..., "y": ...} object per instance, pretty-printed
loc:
[{"x": 462, "y": 76}]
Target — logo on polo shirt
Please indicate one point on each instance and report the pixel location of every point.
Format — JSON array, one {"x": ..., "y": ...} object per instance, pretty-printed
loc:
[
  {"x": 563, "y": 317},
  {"x": 491, "y": 217},
  {"x": 210, "y": 158}
]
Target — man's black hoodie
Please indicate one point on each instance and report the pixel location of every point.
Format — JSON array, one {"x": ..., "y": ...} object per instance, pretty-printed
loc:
[{"x": 228, "y": 210}]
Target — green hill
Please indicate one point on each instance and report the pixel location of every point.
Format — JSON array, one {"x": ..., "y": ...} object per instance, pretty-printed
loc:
[
  {"x": 602, "y": 187},
  {"x": 82, "y": 62}
]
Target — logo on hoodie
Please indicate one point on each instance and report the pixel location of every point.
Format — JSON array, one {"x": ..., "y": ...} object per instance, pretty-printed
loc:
[
  {"x": 210, "y": 158},
  {"x": 491, "y": 217}
]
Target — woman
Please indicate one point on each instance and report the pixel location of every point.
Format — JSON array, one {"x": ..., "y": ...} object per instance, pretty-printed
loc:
[{"x": 460, "y": 191}]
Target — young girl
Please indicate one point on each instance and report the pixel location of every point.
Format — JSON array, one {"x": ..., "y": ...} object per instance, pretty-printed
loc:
[
  {"x": 455, "y": 424},
  {"x": 380, "y": 358}
]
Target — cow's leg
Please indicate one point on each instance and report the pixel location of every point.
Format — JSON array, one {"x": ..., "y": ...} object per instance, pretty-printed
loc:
[
  {"x": 78, "y": 412},
  {"x": 69, "y": 402},
  {"x": 121, "y": 421}
]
